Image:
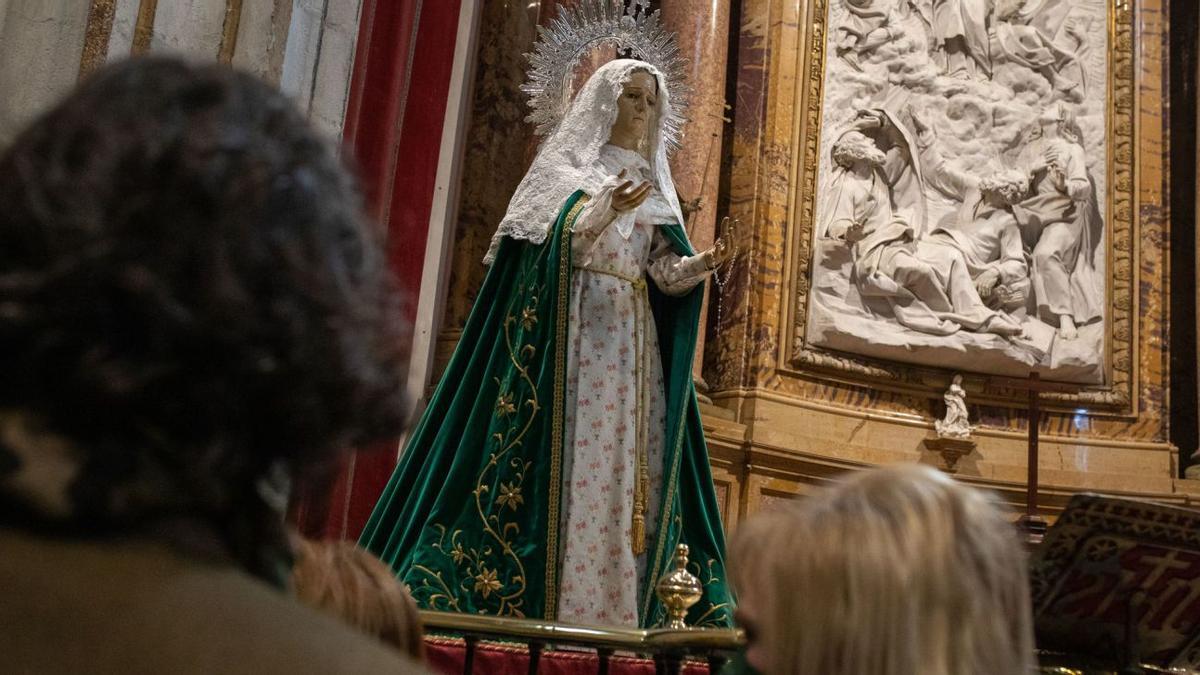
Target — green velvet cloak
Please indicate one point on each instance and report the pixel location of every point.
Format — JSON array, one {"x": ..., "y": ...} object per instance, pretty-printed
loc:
[{"x": 470, "y": 518}]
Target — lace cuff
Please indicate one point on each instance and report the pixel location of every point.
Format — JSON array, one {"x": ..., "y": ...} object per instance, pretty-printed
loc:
[{"x": 672, "y": 273}]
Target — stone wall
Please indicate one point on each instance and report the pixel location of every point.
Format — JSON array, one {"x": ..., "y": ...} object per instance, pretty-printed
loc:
[{"x": 304, "y": 46}]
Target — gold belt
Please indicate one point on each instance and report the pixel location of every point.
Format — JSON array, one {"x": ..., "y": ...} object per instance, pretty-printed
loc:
[
  {"x": 637, "y": 282},
  {"x": 641, "y": 486}
]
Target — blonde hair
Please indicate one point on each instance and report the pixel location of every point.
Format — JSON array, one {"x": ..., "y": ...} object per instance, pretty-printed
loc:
[
  {"x": 348, "y": 582},
  {"x": 898, "y": 570}
]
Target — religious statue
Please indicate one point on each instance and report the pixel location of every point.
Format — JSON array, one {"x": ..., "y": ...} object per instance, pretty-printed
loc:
[
  {"x": 868, "y": 26},
  {"x": 959, "y": 30},
  {"x": 561, "y": 459},
  {"x": 1024, "y": 33},
  {"x": 1062, "y": 221},
  {"x": 956, "y": 423}
]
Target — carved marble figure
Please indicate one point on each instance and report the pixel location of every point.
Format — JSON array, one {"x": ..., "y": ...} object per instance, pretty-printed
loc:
[
  {"x": 1025, "y": 34},
  {"x": 899, "y": 168},
  {"x": 1062, "y": 223},
  {"x": 983, "y": 229},
  {"x": 956, "y": 423},
  {"x": 867, "y": 26},
  {"x": 960, "y": 36}
]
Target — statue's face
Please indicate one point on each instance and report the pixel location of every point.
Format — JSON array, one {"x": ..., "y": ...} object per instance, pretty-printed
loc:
[
  {"x": 635, "y": 106},
  {"x": 1050, "y": 119}
]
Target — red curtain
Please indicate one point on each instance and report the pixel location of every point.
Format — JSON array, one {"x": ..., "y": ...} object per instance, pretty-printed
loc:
[{"x": 393, "y": 135}]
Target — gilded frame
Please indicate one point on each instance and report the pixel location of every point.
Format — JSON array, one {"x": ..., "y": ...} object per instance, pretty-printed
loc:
[{"x": 1118, "y": 395}]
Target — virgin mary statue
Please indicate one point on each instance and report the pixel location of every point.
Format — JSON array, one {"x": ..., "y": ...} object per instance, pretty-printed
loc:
[{"x": 561, "y": 458}]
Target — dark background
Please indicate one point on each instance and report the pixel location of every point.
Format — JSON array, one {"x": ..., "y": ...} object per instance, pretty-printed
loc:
[{"x": 1184, "y": 20}]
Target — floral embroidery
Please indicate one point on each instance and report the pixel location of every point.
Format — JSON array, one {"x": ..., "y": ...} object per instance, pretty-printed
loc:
[
  {"x": 528, "y": 318},
  {"x": 504, "y": 405},
  {"x": 486, "y": 582},
  {"x": 484, "y": 562},
  {"x": 510, "y": 496},
  {"x": 457, "y": 553}
]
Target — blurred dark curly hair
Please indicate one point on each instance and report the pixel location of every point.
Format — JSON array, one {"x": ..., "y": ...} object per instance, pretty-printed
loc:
[{"x": 186, "y": 282}]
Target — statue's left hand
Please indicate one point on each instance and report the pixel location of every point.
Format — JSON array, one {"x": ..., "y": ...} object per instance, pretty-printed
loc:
[
  {"x": 985, "y": 282},
  {"x": 725, "y": 246},
  {"x": 920, "y": 124}
]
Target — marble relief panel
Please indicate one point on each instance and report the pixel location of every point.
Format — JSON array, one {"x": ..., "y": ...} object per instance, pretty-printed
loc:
[
  {"x": 769, "y": 180},
  {"x": 961, "y": 217}
]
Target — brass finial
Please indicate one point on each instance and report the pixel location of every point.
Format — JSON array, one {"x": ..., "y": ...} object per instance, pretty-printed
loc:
[{"x": 678, "y": 590}]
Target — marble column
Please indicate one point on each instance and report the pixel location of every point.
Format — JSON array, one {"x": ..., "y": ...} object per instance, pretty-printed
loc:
[
  {"x": 703, "y": 32},
  {"x": 41, "y": 42},
  {"x": 490, "y": 169}
]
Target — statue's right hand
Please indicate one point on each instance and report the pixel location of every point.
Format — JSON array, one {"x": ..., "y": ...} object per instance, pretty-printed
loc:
[
  {"x": 867, "y": 119},
  {"x": 855, "y": 233},
  {"x": 627, "y": 197}
]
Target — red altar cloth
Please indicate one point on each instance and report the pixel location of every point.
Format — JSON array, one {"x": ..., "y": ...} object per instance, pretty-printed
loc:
[{"x": 446, "y": 655}]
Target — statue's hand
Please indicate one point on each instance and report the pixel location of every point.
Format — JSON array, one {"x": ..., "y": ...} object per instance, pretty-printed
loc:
[
  {"x": 691, "y": 206},
  {"x": 985, "y": 282},
  {"x": 867, "y": 119},
  {"x": 855, "y": 233},
  {"x": 920, "y": 125},
  {"x": 725, "y": 246},
  {"x": 627, "y": 197}
]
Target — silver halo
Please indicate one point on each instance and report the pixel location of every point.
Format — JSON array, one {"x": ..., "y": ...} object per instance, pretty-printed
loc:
[{"x": 578, "y": 29}]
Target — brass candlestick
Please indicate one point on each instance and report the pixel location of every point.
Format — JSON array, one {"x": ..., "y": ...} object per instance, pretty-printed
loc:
[{"x": 678, "y": 590}]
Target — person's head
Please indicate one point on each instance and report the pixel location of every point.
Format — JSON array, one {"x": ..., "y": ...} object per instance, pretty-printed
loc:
[
  {"x": 897, "y": 570},
  {"x": 636, "y": 109},
  {"x": 854, "y": 147},
  {"x": 191, "y": 307},
  {"x": 1058, "y": 120},
  {"x": 348, "y": 582},
  {"x": 1004, "y": 187},
  {"x": 1007, "y": 9}
]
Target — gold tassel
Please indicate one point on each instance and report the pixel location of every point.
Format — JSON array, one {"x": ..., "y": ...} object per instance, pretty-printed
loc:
[
  {"x": 641, "y": 481},
  {"x": 638, "y": 534},
  {"x": 641, "y": 488}
]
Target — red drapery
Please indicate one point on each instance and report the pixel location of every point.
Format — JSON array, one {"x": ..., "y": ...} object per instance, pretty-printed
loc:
[
  {"x": 447, "y": 656},
  {"x": 393, "y": 135}
]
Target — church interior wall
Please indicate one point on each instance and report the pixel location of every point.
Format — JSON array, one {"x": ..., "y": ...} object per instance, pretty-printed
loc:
[
  {"x": 780, "y": 427},
  {"x": 801, "y": 415}
]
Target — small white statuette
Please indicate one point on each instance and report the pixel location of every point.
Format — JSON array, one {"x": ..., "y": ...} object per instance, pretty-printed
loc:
[{"x": 956, "y": 423}]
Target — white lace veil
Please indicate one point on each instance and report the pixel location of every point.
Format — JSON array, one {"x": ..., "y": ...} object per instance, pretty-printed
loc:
[{"x": 569, "y": 159}]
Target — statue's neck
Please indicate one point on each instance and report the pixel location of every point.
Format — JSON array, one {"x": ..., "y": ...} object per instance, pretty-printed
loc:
[{"x": 626, "y": 141}]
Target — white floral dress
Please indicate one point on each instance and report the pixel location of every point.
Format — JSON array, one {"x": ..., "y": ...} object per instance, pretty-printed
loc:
[{"x": 615, "y": 406}]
